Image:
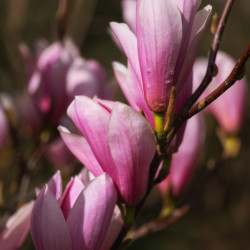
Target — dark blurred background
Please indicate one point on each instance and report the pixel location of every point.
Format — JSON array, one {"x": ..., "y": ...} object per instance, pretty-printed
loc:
[{"x": 220, "y": 218}]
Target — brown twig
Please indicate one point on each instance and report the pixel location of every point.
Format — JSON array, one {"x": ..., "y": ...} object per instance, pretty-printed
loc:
[
  {"x": 170, "y": 110},
  {"x": 230, "y": 80},
  {"x": 158, "y": 225},
  {"x": 212, "y": 56},
  {"x": 62, "y": 16},
  {"x": 177, "y": 123}
]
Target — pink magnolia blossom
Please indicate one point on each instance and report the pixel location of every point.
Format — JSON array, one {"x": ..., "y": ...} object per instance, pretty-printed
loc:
[
  {"x": 48, "y": 82},
  {"x": 117, "y": 140},
  {"x": 162, "y": 51},
  {"x": 56, "y": 74},
  {"x": 228, "y": 108},
  {"x": 16, "y": 228},
  {"x": 134, "y": 95},
  {"x": 86, "y": 77},
  {"x": 80, "y": 218},
  {"x": 184, "y": 161}
]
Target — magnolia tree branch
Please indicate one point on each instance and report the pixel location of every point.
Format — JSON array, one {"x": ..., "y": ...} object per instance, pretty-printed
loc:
[
  {"x": 159, "y": 224},
  {"x": 234, "y": 76},
  {"x": 62, "y": 16},
  {"x": 212, "y": 56},
  {"x": 196, "y": 192},
  {"x": 230, "y": 81}
]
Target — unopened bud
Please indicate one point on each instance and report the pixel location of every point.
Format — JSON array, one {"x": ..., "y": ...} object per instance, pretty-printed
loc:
[
  {"x": 215, "y": 21},
  {"x": 214, "y": 70}
]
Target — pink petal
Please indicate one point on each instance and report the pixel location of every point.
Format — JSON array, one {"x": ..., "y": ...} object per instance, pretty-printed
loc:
[
  {"x": 187, "y": 10},
  {"x": 127, "y": 89},
  {"x": 198, "y": 29},
  {"x": 132, "y": 90},
  {"x": 228, "y": 108},
  {"x": 86, "y": 176},
  {"x": 58, "y": 153},
  {"x": 139, "y": 95},
  {"x": 92, "y": 120},
  {"x": 90, "y": 217},
  {"x": 106, "y": 104},
  {"x": 129, "y": 13},
  {"x": 55, "y": 185},
  {"x": 81, "y": 149},
  {"x": 132, "y": 152},
  {"x": 113, "y": 229},
  {"x": 81, "y": 80},
  {"x": 48, "y": 226},
  {"x": 185, "y": 160},
  {"x": 16, "y": 228},
  {"x": 128, "y": 43},
  {"x": 71, "y": 193},
  {"x": 159, "y": 34}
]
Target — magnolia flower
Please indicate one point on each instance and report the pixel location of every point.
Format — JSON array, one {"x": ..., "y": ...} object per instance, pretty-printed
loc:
[
  {"x": 162, "y": 51},
  {"x": 229, "y": 107},
  {"x": 134, "y": 95},
  {"x": 86, "y": 77},
  {"x": 16, "y": 228},
  {"x": 184, "y": 161},
  {"x": 117, "y": 140},
  {"x": 47, "y": 85},
  {"x": 56, "y": 74},
  {"x": 80, "y": 218}
]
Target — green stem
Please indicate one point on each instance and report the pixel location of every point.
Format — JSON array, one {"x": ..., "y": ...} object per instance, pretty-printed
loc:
[
  {"x": 130, "y": 216},
  {"x": 159, "y": 125}
]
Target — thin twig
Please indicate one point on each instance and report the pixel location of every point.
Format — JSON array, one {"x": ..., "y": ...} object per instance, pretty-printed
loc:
[
  {"x": 212, "y": 56},
  {"x": 230, "y": 80},
  {"x": 189, "y": 202},
  {"x": 170, "y": 110},
  {"x": 158, "y": 225},
  {"x": 62, "y": 16}
]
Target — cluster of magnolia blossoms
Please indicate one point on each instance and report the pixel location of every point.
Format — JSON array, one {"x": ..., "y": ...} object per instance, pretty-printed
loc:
[
  {"x": 55, "y": 74},
  {"x": 115, "y": 142}
]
